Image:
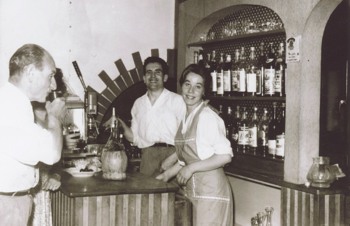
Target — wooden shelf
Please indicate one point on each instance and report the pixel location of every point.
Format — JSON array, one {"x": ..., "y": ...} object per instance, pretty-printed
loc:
[
  {"x": 245, "y": 98},
  {"x": 236, "y": 37}
]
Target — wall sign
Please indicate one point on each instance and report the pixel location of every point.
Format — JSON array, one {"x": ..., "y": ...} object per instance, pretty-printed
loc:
[{"x": 293, "y": 49}]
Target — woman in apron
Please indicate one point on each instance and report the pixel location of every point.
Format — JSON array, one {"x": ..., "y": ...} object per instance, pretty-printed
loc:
[{"x": 202, "y": 150}]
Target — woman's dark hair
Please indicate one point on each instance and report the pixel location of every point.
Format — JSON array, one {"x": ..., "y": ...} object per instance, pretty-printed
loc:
[
  {"x": 154, "y": 59},
  {"x": 197, "y": 69}
]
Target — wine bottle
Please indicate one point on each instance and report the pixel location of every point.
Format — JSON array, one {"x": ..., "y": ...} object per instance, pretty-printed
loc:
[
  {"x": 243, "y": 134},
  {"x": 280, "y": 68},
  {"x": 195, "y": 57},
  {"x": 213, "y": 74},
  {"x": 208, "y": 84},
  {"x": 220, "y": 76},
  {"x": 235, "y": 74},
  {"x": 280, "y": 138},
  {"x": 269, "y": 72},
  {"x": 251, "y": 73},
  {"x": 227, "y": 75},
  {"x": 263, "y": 134},
  {"x": 228, "y": 121},
  {"x": 201, "y": 59},
  {"x": 236, "y": 124},
  {"x": 273, "y": 125},
  {"x": 253, "y": 132},
  {"x": 260, "y": 71},
  {"x": 242, "y": 73}
]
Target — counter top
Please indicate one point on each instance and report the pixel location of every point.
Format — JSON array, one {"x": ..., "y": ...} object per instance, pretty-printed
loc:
[{"x": 135, "y": 183}]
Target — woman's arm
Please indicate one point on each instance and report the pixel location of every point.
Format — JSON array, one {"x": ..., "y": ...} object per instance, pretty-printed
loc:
[
  {"x": 214, "y": 162},
  {"x": 170, "y": 173}
]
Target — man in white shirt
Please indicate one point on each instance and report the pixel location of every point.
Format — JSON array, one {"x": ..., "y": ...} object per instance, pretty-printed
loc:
[
  {"x": 24, "y": 143},
  {"x": 155, "y": 119}
]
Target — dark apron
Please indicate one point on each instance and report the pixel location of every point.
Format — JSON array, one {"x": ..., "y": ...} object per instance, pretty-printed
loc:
[{"x": 209, "y": 191}]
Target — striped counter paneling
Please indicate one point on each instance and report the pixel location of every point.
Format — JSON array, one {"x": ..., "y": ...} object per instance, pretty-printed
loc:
[
  {"x": 305, "y": 209},
  {"x": 114, "y": 210}
]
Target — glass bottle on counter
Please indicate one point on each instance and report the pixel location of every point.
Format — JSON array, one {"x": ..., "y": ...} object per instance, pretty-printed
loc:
[
  {"x": 209, "y": 85},
  {"x": 253, "y": 132},
  {"x": 91, "y": 130},
  {"x": 243, "y": 134},
  {"x": 114, "y": 159},
  {"x": 269, "y": 72},
  {"x": 280, "y": 72},
  {"x": 234, "y": 133},
  {"x": 235, "y": 74},
  {"x": 227, "y": 76},
  {"x": 273, "y": 130},
  {"x": 251, "y": 73},
  {"x": 280, "y": 138},
  {"x": 220, "y": 76},
  {"x": 263, "y": 134}
]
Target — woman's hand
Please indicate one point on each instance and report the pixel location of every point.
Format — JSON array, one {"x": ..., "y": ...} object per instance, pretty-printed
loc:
[
  {"x": 163, "y": 177},
  {"x": 52, "y": 183},
  {"x": 184, "y": 175}
]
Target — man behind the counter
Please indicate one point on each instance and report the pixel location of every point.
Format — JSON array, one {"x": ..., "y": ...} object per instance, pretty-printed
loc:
[{"x": 155, "y": 119}]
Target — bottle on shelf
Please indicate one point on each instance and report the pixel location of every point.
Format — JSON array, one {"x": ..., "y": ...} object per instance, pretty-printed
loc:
[
  {"x": 251, "y": 73},
  {"x": 260, "y": 71},
  {"x": 195, "y": 57},
  {"x": 220, "y": 76},
  {"x": 221, "y": 113},
  {"x": 236, "y": 124},
  {"x": 269, "y": 72},
  {"x": 201, "y": 59},
  {"x": 280, "y": 137},
  {"x": 235, "y": 74},
  {"x": 263, "y": 134},
  {"x": 209, "y": 85},
  {"x": 227, "y": 75},
  {"x": 228, "y": 121},
  {"x": 213, "y": 74},
  {"x": 243, "y": 133},
  {"x": 253, "y": 132},
  {"x": 280, "y": 70},
  {"x": 273, "y": 130},
  {"x": 242, "y": 73}
]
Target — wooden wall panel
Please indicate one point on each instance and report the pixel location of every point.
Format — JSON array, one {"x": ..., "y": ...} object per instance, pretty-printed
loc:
[
  {"x": 114, "y": 210},
  {"x": 305, "y": 209}
]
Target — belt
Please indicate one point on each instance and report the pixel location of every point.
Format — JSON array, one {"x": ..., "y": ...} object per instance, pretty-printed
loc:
[
  {"x": 17, "y": 193},
  {"x": 162, "y": 145}
]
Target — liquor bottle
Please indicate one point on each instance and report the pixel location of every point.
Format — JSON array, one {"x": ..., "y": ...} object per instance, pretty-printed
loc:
[
  {"x": 242, "y": 73},
  {"x": 213, "y": 74},
  {"x": 281, "y": 134},
  {"x": 227, "y": 75},
  {"x": 220, "y": 76},
  {"x": 235, "y": 74},
  {"x": 221, "y": 113},
  {"x": 253, "y": 132},
  {"x": 263, "y": 134},
  {"x": 269, "y": 72},
  {"x": 273, "y": 125},
  {"x": 280, "y": 72},
  {"x": 243, "y": 133},
  {"x": 195, "y": 57},
  {"x": 260, "y": 71},
  {"x": 91, "y": 130},
  {"x": 228, "y": 122},
  {"x": 201, "y": 59},
  {"x": 236, "y": 124},
  {"x": 208, "y": 88},
  {"x": 251, "y": 73}
]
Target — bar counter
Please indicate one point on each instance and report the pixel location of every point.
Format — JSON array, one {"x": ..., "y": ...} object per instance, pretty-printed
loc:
[{"x": 94, "y": 201}]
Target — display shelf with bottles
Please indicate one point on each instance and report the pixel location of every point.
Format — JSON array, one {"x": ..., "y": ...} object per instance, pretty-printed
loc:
[{"x": 253, "y": 38}]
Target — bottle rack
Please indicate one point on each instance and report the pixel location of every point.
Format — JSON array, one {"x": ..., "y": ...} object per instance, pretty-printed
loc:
[{"x": 219, "y": 39}]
